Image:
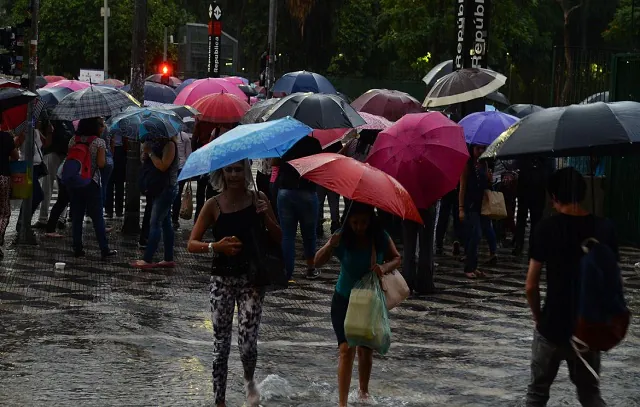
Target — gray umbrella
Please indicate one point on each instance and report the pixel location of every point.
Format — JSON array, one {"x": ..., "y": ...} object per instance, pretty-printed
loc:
[
  {"x": 498, "y": 98},
  {"x": 316, "y": 110},
  {"x": 254, "y": 115},
  {"x": 462, "y": 86},
  {"x": 94, "y": 101}
]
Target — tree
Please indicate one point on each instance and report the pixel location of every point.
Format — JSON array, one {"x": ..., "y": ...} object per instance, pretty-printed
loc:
[
  {"x": 568, "y": 7},
  {"x": 624, "y": 29},
  {"x": 300, "y": 10},
  {"x": 354, "y": 39}
]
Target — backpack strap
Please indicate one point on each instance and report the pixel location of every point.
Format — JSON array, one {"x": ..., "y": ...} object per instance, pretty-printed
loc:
[{"x": 581, "y": 347}]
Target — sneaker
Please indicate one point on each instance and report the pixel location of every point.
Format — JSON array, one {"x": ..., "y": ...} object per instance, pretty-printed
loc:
[
  {"x": 108, "y": 253},
  {"x": 253, "y": 395},
  {"x": 312, "y": 274}
]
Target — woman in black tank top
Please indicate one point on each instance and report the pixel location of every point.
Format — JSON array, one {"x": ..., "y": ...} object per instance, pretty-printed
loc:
[{"x": 234, "y": 215}]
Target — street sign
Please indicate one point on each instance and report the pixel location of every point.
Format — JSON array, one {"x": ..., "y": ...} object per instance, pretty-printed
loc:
[
  {"x": 102, "y": 11},
  {"x": 91, "y": 75},
  {"x": 472, "y": 33},
  {"x": 215, "y": 40}
]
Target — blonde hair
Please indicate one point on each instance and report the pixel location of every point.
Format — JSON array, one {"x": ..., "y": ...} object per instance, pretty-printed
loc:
[{"x": 216, "y": 178}]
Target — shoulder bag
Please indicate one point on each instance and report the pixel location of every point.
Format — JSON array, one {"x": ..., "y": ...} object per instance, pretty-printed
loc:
[{"x": 393, "y": 285}]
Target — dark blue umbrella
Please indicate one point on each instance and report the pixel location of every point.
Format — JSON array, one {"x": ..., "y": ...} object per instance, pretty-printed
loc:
[
  {"x": 53, "y": 96},
  {"x": 184, "y": 84},
  {"x": 156, "y": 92},
  {"x": 303, "y": 81}
]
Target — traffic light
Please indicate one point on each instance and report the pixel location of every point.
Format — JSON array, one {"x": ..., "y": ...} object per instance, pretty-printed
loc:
[{"x": 166, "y": 70}]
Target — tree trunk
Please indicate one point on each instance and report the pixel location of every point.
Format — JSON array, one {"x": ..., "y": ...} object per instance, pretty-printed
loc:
[
  {"x": 131, "y": 224},
  {"x": 567, "y": 9}
]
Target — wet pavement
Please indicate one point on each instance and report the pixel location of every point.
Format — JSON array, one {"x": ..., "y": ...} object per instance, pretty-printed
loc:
[{"x": 101, "y": 334}]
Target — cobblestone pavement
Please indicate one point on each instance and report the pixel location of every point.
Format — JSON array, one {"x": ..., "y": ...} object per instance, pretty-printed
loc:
[{"x": 101, "y": 334}]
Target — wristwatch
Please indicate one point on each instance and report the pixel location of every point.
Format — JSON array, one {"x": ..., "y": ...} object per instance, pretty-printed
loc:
[{"x": 211, "y": 250}]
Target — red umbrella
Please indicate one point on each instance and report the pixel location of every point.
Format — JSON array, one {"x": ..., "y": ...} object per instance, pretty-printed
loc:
[
  {"x": 54, "y": 78},
  {"x": 359, "y": 182},
  {"x": 390, "y": 104},
  {"x": 204, "y": 87},
  {"x": 426, "y": 152},
  {"x": 221, "y": 108}
]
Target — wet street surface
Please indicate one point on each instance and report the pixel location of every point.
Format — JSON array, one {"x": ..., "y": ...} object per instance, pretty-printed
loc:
[{"x": 101, "y": 334}]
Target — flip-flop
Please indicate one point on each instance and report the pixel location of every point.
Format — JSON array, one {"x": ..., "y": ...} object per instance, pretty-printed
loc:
[
  {"x": 471, "y": 276},
  {"x": 137, "y": 265},
  {"x": 166, "y": 265}
]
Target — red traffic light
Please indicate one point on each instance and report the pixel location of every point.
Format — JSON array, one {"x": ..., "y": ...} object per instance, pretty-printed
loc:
[{"x": 165, "y": 69}]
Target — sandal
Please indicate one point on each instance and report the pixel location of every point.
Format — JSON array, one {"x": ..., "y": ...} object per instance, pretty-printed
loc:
[
  {"x": 471, "y": 275},
  {"x": 166, "y": 264},
  {"x": 141, "y": 264}
]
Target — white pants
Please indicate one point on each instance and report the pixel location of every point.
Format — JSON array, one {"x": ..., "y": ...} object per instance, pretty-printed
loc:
[{"x": 52, "y": 161}]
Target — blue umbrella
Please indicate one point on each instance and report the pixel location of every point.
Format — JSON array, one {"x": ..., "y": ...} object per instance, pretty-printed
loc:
[
  {"x": 253, "y": 141},
  {"x": 490, "y": 108},
  {"x": 184, "y": 84},
  {"x": 156, "y": 92},
  {"x": 303, "y": 81},
  {"x": 484, "y": 127},
  {"x": 145, "y": 123},
  {"x": 53, "y": 96}
]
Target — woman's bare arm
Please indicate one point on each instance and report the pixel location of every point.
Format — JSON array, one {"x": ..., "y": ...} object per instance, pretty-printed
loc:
[{"x": 206, "y": 219}]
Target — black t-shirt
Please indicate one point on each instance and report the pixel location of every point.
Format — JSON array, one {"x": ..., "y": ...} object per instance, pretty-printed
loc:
[
  {"x": 288, "y": 177},
  {"x": 557, "y": 243},
  {"x": 6, "y": 147}
]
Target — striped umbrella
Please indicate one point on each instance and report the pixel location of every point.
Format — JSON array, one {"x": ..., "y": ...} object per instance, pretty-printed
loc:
[{"x": 464, "y": 85}]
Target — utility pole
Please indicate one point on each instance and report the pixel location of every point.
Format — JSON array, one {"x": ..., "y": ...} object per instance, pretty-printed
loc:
[
  {"x": 25, "y": 234},
  {"x": 131, "y": 224},
  {"x": 164, "y": 54},
  {"x": 271, "y": 57},
  {"x": 106, "y": 39}
]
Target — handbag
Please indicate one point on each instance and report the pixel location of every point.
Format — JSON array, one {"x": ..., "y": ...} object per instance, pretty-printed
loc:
[
  {"x": 186, "y": 206},
  {"x": 21, "y": 180},
  {"x": 267, "y": 265},
  {"x": 44, "y": 171},
  {"x": 493, "y": 205},
  {"x": 393, "y": 285}
]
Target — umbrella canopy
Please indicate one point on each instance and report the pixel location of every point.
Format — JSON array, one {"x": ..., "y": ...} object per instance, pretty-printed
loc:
[
  {"x": 236, "y": 80},
  {"x": 184, "y": 84},
  {"x": 54, "y": 78},
  {"x": 303, "y": 81},
  {"x": 597, "y": 97},
  {"x": 182, "y": 111},
  {"x": 95, "y": 101},
  {"x": 12, "y": 97},
  {"x": 317, "y": 110},
  {"x": 204, "y": 87},
  {"x": 425, "y": 152},
  {"x": 344, "y": 97},
  {"x": 248, "y": 90},
  {"x": 390, "y": 104},
  {"x": 156, "y": 92},
  {"x": 8, "y": 84},
  {"x": 221, "y": 108},
  {"x": 145, "y": 123},
  {"x": 520, "y": 111},
  {"x": 374, "y": 122},
  {"x": 157, "y": 78},
  {"x": 577, "y": 130},
  {"x": 462, "y": 86},
  {"x": 359, "y": 182},
  {"x": 490, "y": 108},
  {"x": 442, "y": 69},
  {"x": 53, "y": 96},
  {"x": 253, "y": 141},
  {"x": 112, "y": 82},
  {"x": 483, "y": 128},
  {"x": 41, "y": 82},
  {"x": 257, "y": 111},
  {"x": 498, "y": 98},
  {"x": 70, "y": 84}
]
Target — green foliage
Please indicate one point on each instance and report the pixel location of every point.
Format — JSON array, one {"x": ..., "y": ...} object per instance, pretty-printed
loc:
[
  {"x": 621, "y": 30},
  {"x": 354, "y": 38}
]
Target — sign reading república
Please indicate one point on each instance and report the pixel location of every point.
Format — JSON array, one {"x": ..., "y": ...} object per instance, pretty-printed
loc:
[
  {"x": 215, "y": 40},
  {"x": 472, "y": 33}
]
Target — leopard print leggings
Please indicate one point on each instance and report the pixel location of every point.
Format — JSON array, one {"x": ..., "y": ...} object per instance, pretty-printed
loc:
[{"x": 224, "y": 293}]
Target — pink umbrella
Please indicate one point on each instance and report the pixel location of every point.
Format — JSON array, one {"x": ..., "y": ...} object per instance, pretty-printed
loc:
[
  {"x": 425, "y": 152},
  {"x": 54, "y": 78},
  {"x": 236, "y": 80},
  {"x": 374, "y": 122},
  {"x": 112, "y": 82},
  {"x": 69, "y": 84},
  {"x": 204, "y": 87},
  {"x": 253, "y": 100},
  {"x": 328, "y": 137}
]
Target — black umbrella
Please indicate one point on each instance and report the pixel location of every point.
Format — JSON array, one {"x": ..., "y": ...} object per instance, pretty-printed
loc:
[
  {"x": 597, "y": 97},
  {"x": 522, "y": 110},
  {"x": 248, "y": 90},
  {"x": 316, "y": 110},
  {"x": 41, "y": 82},
  {"x": 254, "y": 115},
  {"x": 12, "y": 97},
  {"x": 462, "y": 86},
  {"x": 182, "y": 111},
  {"x": 498, "y": 98},
  {"x": 344, "y": 97},
  {"x": 442, "y": 69},
  {"x": 577, "y": 130},
  {"x": 53, "y": 96}
]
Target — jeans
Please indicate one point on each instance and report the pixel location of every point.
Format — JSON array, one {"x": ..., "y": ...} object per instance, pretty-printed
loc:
[
  {"x": 420, "y": 278},
  {"x": 545, "y": 362},
  {"x": 177, "y": 203},
  {"x": 105, "y": 175},
  {"x": 334, "y": 203},
  {"x": 297, "y": 206},
  {"x": 448, "y": 206},
  {"x": 476, "y": 226},
  {"x": 36, "y": 198},
  {"x": 52, "y": 161},
  {"x": 87, "y": 200},
  {"x": 160, "y": 224},
  {"x": 115, "y": 186},
  {"x": 58, "y": 208}
]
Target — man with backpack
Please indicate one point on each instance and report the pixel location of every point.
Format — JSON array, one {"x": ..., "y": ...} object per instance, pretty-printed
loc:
[{"x": 584, "y": 289}]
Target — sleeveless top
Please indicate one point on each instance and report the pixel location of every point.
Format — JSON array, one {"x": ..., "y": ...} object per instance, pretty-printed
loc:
[
  {"x": 174, "y": 169},
  {"x": 240, "y": 224}
]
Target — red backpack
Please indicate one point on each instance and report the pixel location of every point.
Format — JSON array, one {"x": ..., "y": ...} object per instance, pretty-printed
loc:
[{"x": 76, "y": 171}]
